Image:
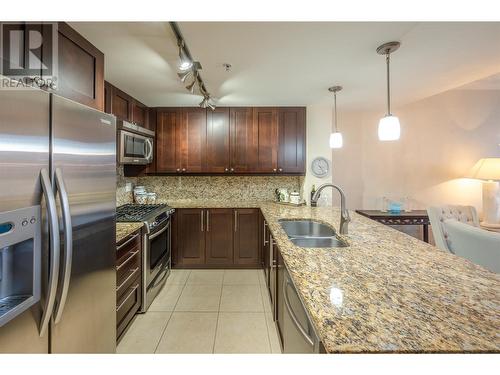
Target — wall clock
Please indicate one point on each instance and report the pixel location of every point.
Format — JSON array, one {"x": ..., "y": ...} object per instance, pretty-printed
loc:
[{"x": 320, "y": 167}]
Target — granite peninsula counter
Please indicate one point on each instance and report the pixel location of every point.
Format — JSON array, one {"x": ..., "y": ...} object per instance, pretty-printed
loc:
[{"x": 387, "y": 291}]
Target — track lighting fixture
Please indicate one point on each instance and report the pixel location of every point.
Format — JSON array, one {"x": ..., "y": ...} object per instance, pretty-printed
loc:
[
  {"x": 389, "y": 128},
  {"x": 190, "y": 68},
  {"x": 185, "y": 63}
]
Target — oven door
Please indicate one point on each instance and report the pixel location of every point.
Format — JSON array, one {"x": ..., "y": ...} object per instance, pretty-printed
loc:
[
  {"x": 134, "y": 148},
  {"x": 158, "y": 251}
]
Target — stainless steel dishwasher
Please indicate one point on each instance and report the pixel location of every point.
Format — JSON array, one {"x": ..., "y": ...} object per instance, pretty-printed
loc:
[{"x": 298, "y": 333}]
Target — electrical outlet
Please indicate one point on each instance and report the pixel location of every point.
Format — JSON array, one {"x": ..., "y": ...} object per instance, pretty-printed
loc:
[{"x": 128, "y": 187}]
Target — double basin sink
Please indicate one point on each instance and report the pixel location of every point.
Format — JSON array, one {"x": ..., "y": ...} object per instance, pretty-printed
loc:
[{"x": 309, "y": 233}]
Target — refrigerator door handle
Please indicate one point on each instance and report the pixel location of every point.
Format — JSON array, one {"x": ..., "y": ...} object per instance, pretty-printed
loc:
[
  {"x": 68, "y": 243},
  {"x": 54, "y": 250}
]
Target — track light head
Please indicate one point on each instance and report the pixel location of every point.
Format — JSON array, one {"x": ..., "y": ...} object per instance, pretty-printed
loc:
[
  {"x": 185, "y": 62},
  {"x": 204, "y": 102},
  {"x": 184, "y": 75}
]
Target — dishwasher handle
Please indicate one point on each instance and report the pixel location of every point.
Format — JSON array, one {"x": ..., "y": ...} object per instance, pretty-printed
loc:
[{"x": 294, "y": 319}]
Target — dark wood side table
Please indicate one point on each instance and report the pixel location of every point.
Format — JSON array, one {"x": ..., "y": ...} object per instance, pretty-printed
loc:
[{"x": 417, "y": 217}]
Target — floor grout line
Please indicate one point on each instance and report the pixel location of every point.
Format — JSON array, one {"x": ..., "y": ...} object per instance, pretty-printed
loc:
[
  {"x": 265, "y": 319},
  {"x": 218, "y": 312},
  {"x": 171, "y": 313}
]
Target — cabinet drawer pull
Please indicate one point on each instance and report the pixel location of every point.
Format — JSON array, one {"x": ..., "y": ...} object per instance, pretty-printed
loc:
[
  {"x": 132, "y": 255},
  {"x": 128, "y": 278},
  {"x": 127, "y": 242},
  {"x": 126, "y": 298}
]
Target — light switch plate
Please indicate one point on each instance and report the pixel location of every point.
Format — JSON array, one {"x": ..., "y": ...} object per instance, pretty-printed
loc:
[{"x": 128, "y": 187}]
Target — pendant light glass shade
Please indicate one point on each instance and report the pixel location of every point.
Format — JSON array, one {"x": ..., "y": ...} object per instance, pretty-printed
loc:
[
  {"x": 389, "y": 128},
  {"x": 336, "y": 140}
]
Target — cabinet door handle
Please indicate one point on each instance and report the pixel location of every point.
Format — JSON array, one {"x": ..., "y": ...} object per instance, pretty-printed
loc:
[
  {"x": 202, "y": 220},
  {"x": 226, "y": 169},
  {"x": 232, "y": 169},
  {"x": 235, "y": 220},
  {"x": 280, "y": 169},
  {"x": 265, "y": 242},
  {"x": 208, "y": 220},
  {"x": 274, "y": 169},
  {"x": 184, "y": 169},
  {"x": 178, "y": 169}
]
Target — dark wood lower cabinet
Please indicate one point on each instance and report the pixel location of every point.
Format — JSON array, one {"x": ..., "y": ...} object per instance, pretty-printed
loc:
[
  {"x": 246, "y": 236},
  {"x": 128, "y": 281},
  {"x": 216, "y": 238},
  {"x": 190, "y": 235},
  {"x": 219, "y": 236}
]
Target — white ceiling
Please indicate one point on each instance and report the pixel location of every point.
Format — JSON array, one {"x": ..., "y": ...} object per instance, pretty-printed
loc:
[{"x": 293, "y": 63}]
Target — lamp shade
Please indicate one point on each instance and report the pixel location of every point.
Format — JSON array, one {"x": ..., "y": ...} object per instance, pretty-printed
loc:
[
  {"x": 486, "y": 169},
  {"x": 389, "y": 128},
  {"x": 336, "y": 140}
]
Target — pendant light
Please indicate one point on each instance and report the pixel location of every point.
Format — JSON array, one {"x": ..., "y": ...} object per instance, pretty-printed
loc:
[
  {"x": 335, "y": 137},
  {"x": 388, "y": 126}
]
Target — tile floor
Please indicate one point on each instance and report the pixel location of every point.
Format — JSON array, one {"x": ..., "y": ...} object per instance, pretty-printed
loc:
[{"x": 206, "y": 311}]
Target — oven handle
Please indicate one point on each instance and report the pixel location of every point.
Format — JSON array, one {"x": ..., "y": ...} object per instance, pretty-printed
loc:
[
  {"x": 165, "y": 270},
  {"x": 159, "y": 232}
]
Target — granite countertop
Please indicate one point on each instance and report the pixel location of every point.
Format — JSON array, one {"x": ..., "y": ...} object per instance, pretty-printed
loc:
[
  {"x": 124, "y": 229},
  {"x": 387, "y": 291}
]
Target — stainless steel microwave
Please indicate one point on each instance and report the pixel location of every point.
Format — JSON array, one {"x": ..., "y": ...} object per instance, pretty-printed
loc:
[{"x": 135, "y": 144}]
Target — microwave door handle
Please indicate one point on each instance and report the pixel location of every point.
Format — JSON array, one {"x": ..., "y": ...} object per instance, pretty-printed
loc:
[
  {"x": 68, "y": 243},
  {"x": 54, "y": 250},
  {"x": 149, "y": 145}
]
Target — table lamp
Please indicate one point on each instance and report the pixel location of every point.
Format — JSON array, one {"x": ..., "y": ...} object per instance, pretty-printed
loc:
[{"x": 488, "y": 170}]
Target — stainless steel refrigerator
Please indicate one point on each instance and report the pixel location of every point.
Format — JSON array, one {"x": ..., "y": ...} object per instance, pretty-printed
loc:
[{"x": 57, "y": 225}]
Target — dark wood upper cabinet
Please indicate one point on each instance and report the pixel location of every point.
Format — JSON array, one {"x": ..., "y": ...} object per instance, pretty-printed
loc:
[
  {"x": 192, "y": 141},
  {"x": 121, "y": 104},
  {"x": 291, "y": 140},
  {"x": 243, "y": 147},
  {"x": 139, "y": 113},
  {"x": 80, "y": 69},
  {"x": 168, "y": 125},
  {"x": 246, "y": 239},
  {"x": 240, "y": 140},
  {"x": 266, "y": 122},
  {"x": 218, "y": 157},
  {"x": 190, "y": 241},
  {"x": 219, "y": 236}
]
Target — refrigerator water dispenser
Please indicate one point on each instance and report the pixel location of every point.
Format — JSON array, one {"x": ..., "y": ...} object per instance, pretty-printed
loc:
[{"x": 20, "y": 261}]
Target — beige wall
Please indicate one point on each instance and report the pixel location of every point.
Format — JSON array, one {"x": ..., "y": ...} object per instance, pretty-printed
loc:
[{"x": 441, "y": 138}]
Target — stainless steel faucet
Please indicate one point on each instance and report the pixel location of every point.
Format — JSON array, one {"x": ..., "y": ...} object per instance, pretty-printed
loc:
[{"x": 344, "y": 214}]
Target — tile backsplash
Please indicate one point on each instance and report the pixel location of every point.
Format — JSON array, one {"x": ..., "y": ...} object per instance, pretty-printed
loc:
[{"x": 208, "y": 187}]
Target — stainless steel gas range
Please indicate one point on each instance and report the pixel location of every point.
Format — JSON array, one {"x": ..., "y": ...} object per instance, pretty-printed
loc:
[{"x": 156, "y": 244}]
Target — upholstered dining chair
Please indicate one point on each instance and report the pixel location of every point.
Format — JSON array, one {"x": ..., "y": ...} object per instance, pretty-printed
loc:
[
  {"x": 475, "y": 244},
  {"x": 437, "y": 215}
]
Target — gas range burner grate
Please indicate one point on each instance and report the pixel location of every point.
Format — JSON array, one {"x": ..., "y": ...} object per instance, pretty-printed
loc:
[{"x": 136, "y": 212}]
